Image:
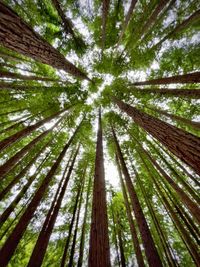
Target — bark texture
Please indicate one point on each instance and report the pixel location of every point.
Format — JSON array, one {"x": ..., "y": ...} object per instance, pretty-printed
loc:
[
  {"x": 11, "y": 243},
  {"x": 26, "y": 131},
  {"x": 193, "y": 77},
  {"x": 39, "y": 250},
  {"x": 134, "y": 236},
  {"x": 99, "y": 253},
  {"x": 149, "y": 246},
  {"x": 181, "y": 143},
  {"x": 16, "y": 35}
]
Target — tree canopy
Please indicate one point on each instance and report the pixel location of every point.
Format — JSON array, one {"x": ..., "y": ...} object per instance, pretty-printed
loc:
[{"x": 99, "y": 133}]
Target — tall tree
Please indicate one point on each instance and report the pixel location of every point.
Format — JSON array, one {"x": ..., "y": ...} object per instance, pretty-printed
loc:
[
  {"x": 11, "y": 243},
  {"x": 99, "y": 254},
  {"x": 181, "y": 143},
  {"x": 39, "y": 250},
  {"x": 149, "y": 245},
  {"x": 184, "y": 78},
  {"x": 18, "y": 36}
]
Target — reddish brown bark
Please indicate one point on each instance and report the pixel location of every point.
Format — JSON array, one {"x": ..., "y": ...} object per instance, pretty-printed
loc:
[
  {"x": 191, "y": 205},
  {"x": 181, "y": 143},
  {"x": 184, "y": 78},
  {"x": 16, "y": 35},
  {"x": 66, "y": 248},
  {"x": 193, "y": 124},
  {"x": 24, "y": 132},
  {"x": 19, "y": 176},
  {"x": 82, "y": 241},
  {"x": 150, "y": 249},
  {"x": 135, "y": 239},
  {"x": 39, "y": 250},
  {"x": 105, "y": 11},
  {"x": 99, "y": 253},
  {"x": 9, "y": 164},
  {"x": 71, "y": 258},
  {"x": 11, "y": 243}
]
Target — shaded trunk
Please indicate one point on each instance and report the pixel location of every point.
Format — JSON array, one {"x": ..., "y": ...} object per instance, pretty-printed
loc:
[
  {"x": 82, "y": 241},
  {"x": 127, "y": 19},
  {"x": 115, "y": 236},
  {"x": 150, "y": 249},
  {"x": 99, "y": 252},
  {"x": 181, "y": 143},
  {"x": 11, "y": 243},
  {"x": 7, "y": 74},
  {"x": 26, "y": 131},
  {"x": 9, "y": 164},
  {"x": 67, "y": 23},
  {"x": 182, "y": 78},
  {"x": 173, "y": 117},
  {"x": 165, "y": 244},
  {"x": 176, "y": 174},
  {"x": 18, "y": 36},
  {"x": 183, "y": 93},
  {"x": 190, "y": 204},
  {"x": 152, "y": 19},
  {"x": 71, "y": 258},
  {"x": 19, "y": 176},
  {"x": 186, "y": 23},
  {"x": 39, "y": 250},
  {"x": 181, "y": 167},
  {"x": 105, "y": 11},
  {"x": 7, "y": 65},
  {"x": 182, "y": 231},
  {"x": 66, "y": 248},
  {"x": 134, "y": 236},
  {"x": 6, "y": 85}
]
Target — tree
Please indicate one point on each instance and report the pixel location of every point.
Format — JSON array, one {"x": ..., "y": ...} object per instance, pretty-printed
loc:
[{"x": 99, "y": 242}]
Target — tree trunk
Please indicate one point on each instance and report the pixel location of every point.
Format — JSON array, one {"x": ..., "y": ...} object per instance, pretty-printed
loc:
[
  {"x": 127, "y": 19},
  {"x": 64, "y": 256},
  {"x": 39, "y": 250},
  {"x": 105, "y": 11},
  {"x": 181, "y": 143},
  {"x": 182, "y": 78},
  {"x": 190, "y": 204},
  {"x": 99, "y": 252},
  {"x": 115, "y": 236},
  {"x": 183, "y": 93},
  {"x": 165, "y": 244},
  {"x": 29, "y": 129},
  {"x": 12, "y": 75},
  {"x": 9, "y": 164},
  {"x": 181, "y": 167},
  {"x": 67, "y": 23},
  {"x": 16, "y": 200},
  {"x": 183, "y": 233},
  {"x": 135, "y": 239},
  {"x": 18, "y": 36},
  {"x": 186, "y": 23},
  {"x": 150, "y": 249},
  {"x": 173, "y": 117},
  {"x": 71, "y": 258},
  {"x": 82, "y": 241},
  {"x": 11, "y": 243},
  {"x": 151, "y": 20},
  {"x": 176, "y": 174},
  {"x": 19, "y": 176}
]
